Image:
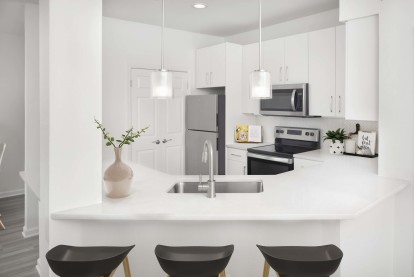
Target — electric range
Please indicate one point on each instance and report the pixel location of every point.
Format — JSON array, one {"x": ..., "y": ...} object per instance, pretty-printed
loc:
[{"x": 278, "y": 157}]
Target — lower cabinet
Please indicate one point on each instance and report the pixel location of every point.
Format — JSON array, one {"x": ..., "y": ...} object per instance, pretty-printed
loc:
[
  {"x": 236, "y": 162},
  {"x": 303, "y": 163}
]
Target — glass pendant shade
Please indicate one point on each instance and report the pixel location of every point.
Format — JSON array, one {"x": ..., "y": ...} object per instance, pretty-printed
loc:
[
  {"x": 161, "y": 84},
  {"x": 260, "y": 85}
]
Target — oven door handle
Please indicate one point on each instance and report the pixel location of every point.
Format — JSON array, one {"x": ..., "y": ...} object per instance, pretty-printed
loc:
[
  {"x": 292, "y": 100},
  {"x": 270, "y": 158}
]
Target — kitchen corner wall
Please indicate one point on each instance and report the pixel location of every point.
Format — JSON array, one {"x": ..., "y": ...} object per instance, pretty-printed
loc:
[
  {"x": 129, "y": 44},
  {"x": 324, "y": 124}
]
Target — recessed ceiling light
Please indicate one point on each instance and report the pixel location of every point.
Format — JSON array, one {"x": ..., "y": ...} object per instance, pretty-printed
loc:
[{"x": 200, "y": 6}]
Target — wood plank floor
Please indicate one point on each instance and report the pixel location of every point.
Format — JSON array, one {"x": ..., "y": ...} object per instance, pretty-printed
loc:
[{"x": 18, "y": 256}]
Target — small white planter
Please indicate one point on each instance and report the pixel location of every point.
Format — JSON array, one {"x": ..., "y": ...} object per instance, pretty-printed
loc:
[{"x": 337, "y": 148}]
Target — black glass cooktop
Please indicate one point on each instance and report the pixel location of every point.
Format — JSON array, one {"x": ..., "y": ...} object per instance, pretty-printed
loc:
[{"x": 279, "y": 150}]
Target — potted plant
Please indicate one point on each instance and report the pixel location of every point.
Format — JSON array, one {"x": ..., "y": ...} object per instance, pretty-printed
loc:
[
  {"x": 337, "y": 138},
  {"x": 118, "y": 176}
]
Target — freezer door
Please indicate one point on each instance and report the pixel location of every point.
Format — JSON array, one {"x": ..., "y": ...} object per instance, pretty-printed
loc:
[
  {"x": 194, "y": 142},
  {"x": 201, "y": 112}
]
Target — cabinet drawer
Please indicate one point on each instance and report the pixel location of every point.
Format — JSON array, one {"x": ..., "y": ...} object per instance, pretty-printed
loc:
[{"x": 237, "y": 155}]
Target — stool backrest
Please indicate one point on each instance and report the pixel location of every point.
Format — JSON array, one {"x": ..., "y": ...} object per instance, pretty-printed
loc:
[{"x": 2, "y": 149}]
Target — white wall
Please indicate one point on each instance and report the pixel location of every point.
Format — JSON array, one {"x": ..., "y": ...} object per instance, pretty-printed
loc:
[
  {"x": 297, "y": 26},
  {"x": 11, "y": 101},
  {"x": 129, "y": 44},
  {"x": 396, "y": 118}
]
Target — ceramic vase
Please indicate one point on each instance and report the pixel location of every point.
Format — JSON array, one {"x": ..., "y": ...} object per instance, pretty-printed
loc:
[
  {"x": 336, "y": 148},
  {"x": 118, "y": 177}
]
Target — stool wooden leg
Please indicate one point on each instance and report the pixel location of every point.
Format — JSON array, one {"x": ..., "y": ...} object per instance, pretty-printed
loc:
[
  {"x": 127, "y": 270},
  {"x": 266, "y": 269},
  {"x": 112, "y": 273},
  {"x": 223, "y": 274},
  {"x": 2, "y": 225}
]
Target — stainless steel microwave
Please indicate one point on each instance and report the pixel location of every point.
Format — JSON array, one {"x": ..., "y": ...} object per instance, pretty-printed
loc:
[{"x": 287, "y": 100}]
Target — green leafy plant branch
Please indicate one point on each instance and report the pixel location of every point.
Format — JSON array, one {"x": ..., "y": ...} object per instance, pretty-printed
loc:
[
  {"x": 335, "y": 135},
  {"x": 127, "y": 138}
]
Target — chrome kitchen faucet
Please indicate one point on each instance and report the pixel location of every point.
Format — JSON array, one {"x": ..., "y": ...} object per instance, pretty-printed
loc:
[{"x": 208, "y": 155}]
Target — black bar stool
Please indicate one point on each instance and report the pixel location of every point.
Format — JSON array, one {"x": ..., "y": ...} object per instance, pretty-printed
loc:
[
  {"x": 72, "y": 261},
  {"x": 301, "y": 261},
  {"x": 194, "y": 261}
]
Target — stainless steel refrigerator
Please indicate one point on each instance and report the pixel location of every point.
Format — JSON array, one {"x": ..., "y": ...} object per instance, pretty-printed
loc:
[{"x": 205, "y": 120}]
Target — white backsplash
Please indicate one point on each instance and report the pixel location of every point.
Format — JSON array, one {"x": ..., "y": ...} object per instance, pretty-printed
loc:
[{"x": 324, "y": 124}]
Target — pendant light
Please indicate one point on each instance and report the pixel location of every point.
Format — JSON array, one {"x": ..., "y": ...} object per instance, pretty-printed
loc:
[
  {"x": 161, "y": 80},
  {"x": 260, "y": 80}
]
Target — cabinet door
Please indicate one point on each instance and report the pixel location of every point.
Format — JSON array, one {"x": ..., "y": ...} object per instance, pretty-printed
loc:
[
  {"x": 236, "y": 168},
  {"x": 322, "y": 72},
  {"x": 296, "y": 59},
  {"x": 274, "y": 59},
  {"x": 250, "y": 63},
  {"x": 217, "y": 65},
  {"x": 203, "y": 67},
  {"x": 340, "y": 71},
  {"x": 362, "y": 69}
]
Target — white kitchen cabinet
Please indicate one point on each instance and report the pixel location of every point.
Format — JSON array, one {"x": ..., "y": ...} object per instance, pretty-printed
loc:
[
  {"x": 303, "y": 163},
  {"x": 326, "y": 72},
  {"x": 340, "y": 70},
  {"x": 236, "y": 162},
  {"x": 296, "y": 59},
  {"x": 361, "y": 82},
  {"x": 287, "y": 59},
  {"x": 211, "y": 66},
  {"x": 322, "y": 72},
  {"x": 274, "y": 59},
  {"x": 250, "y": 63}
]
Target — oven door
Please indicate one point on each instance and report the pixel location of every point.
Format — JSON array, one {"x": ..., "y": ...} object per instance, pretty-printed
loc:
[
  {"x": 267, "y": 165},
  {"x": 287, "y": 100}
]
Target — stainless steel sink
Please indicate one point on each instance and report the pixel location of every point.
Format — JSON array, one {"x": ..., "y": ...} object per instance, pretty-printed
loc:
[{"x": 221, "y": 187}]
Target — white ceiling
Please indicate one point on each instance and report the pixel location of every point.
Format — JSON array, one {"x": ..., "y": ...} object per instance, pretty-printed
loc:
[{"x": 220, "y": 18}]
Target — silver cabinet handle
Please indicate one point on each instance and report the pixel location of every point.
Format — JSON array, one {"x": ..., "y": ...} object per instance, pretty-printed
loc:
[
  {"x": 236, "y": 155},
  {"x": 166, "y": 140},
  {"x": 280, "y": 73},
  {"x": 211, "y": 78},
  {"x": 287, "y": 73},
  {"x": 331, "y": 103},
  {"x": 244, "y": 170},
  {"x": 156, "y": 141},
  {"x": 339, "y": 104}
]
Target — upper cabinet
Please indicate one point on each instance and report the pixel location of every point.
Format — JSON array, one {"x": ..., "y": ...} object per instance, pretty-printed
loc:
[
  {"x": 327, "y": 72},
  {"x": 362, "y": 69},
  {"x": 287, "y": 59},
  {"x": 250, "y": 63},
  {"x": 211, "y": 66}
]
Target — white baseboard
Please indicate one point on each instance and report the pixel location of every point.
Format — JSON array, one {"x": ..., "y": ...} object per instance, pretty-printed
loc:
[
  {"x": 11, "y": 193},
  {"x": 28, "y": 233}
]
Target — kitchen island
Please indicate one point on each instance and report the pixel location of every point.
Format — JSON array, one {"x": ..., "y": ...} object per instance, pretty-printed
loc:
[{"x": 342, "y": 201}]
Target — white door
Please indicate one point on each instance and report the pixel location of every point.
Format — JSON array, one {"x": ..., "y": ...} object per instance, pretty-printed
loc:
[
  {"x": 218, "y": 65},
  {"x": 162, "y": 146},
  {"x": 203, "y": 67},
  {"x": 274, "y": 59},
  {"x": 322, "y": 72},
  {"x": 296, "y": 59}
]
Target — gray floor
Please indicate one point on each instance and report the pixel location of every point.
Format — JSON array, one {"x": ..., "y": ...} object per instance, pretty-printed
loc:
[{"x": 18, "y": 256}]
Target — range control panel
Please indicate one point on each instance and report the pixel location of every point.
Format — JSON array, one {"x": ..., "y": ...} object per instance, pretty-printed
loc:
[{"x": 306, "y": 134}]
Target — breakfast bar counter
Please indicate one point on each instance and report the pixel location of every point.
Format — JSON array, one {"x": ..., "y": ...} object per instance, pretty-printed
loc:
[{"x": 341, "y": 200}]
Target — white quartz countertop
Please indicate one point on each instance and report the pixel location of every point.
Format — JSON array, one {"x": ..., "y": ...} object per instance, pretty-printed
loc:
[{"x": 341, "y": 187}]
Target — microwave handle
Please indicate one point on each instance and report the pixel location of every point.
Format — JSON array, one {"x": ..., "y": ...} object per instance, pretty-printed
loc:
[{"x": 292, "y": 100}]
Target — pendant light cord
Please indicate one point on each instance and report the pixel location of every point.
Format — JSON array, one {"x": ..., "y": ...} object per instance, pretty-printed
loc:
[
  {"x": 162, "y": 35},
  {"x": 260, "y": 36}
]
